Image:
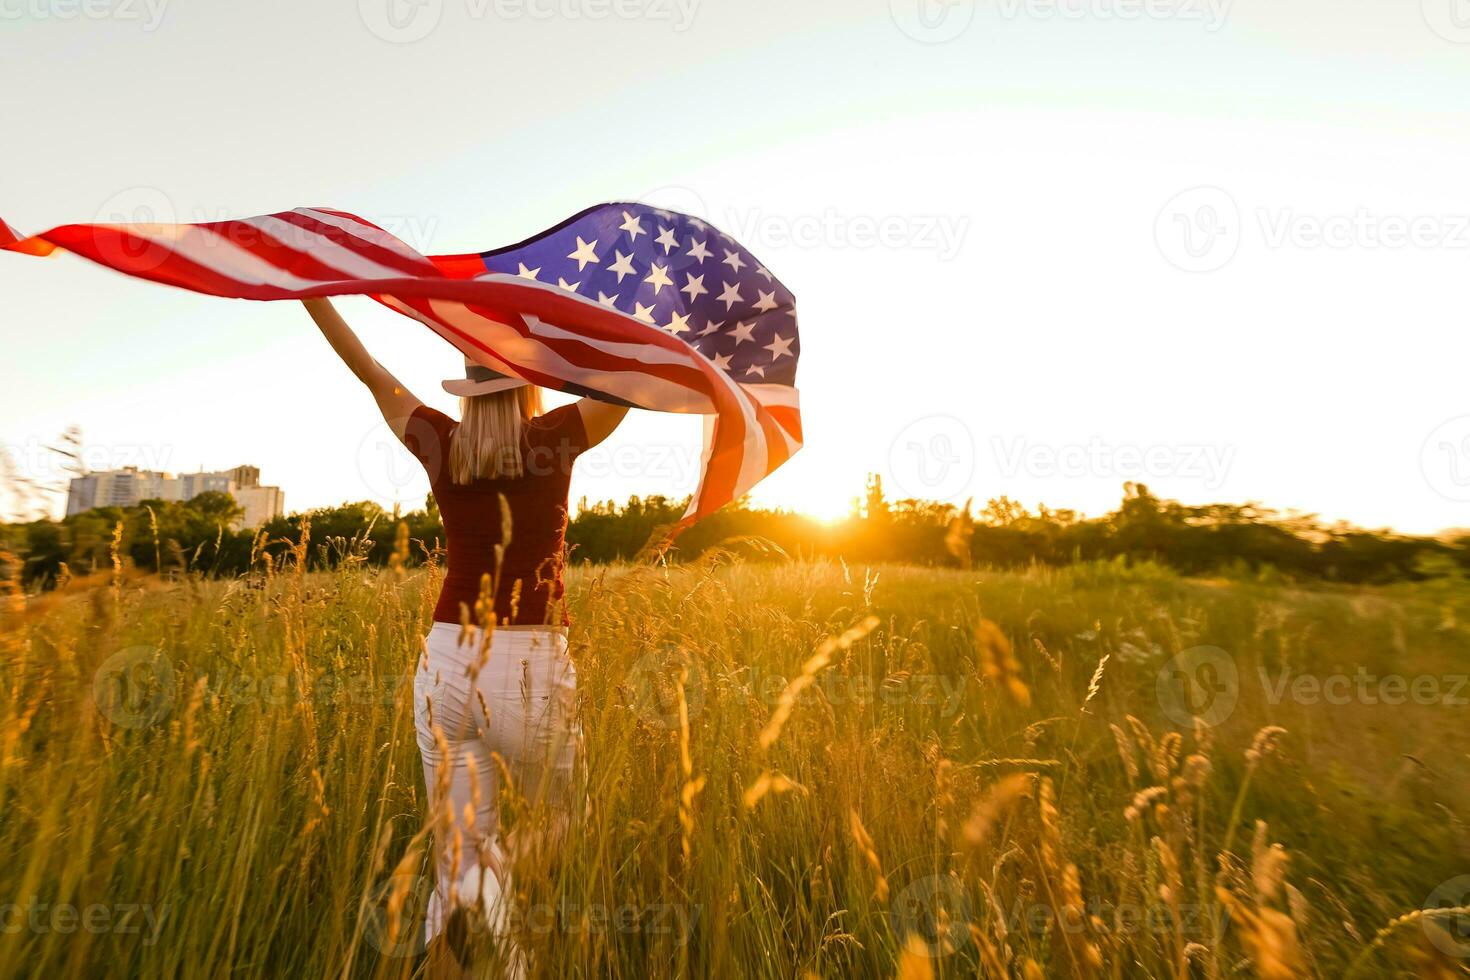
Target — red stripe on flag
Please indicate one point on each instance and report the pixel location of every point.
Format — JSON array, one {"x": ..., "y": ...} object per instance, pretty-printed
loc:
[
  {"x": 277, "y": 252},
  {"x": 368, "y": 250},
  {"x": 117, "y": 248},
  {"x": 460, "y": 266},
  {"x": 12, "y": 241}
]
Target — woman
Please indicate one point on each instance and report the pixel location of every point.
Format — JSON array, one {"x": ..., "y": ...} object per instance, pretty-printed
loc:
[{"x": 495, "y": 676}]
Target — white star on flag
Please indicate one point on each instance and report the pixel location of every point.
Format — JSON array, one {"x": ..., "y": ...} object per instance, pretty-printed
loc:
[
  {"x": 623, "y": 266},
  {"x": 779, "y": 347},
  {"x": 659, "y": 277},
  {"x": 694, "y": 287},
  {"x": 730, "y": 296},
  {"x": 584, "y": 253}
]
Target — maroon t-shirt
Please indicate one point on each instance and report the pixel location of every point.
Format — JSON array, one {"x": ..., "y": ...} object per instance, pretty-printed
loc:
[{"x": 538, "y": 509}]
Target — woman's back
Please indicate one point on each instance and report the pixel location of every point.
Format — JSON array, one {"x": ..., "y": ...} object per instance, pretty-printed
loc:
[{"x": 472, "y": 518}]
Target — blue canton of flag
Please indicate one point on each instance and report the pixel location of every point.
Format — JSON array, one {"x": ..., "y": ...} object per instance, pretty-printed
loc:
[{"x": 673, "y": 271}]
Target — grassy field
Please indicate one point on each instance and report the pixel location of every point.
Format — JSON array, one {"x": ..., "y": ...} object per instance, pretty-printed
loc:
[{"x": 864, "y": 772}]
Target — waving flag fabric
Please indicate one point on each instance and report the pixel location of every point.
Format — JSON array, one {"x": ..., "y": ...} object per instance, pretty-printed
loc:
[{"x": 622, "y": 302}]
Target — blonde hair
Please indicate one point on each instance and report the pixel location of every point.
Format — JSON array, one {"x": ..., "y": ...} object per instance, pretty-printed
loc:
[{"x": 487, "y": 442}]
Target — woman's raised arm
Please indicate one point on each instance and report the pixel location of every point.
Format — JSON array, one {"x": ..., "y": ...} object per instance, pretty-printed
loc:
[
  {"x": 599, "y": 419},
  {"x": 395, "y": 402}
]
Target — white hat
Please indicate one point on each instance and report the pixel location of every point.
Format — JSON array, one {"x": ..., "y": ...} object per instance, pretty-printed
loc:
[{"x": 480, "y": 380}]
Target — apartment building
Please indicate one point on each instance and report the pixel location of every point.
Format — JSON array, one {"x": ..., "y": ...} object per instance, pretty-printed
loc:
[{"x": 131, "y": 486}]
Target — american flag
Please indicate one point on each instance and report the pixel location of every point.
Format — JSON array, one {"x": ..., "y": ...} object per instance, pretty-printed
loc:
[{"x": 623, "y": 302}]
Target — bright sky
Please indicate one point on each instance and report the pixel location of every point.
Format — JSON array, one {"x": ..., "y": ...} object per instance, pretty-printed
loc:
[{"x": 1040, "y": 248}]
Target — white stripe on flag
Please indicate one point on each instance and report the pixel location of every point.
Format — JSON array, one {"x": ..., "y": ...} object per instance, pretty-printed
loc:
[
  {"x": 218, "y": 254},
  {"x": 645, "y": 353},
  {"x": 329, "y": 253},
  {"x": 365, "y": 232},
  {"x": 639, "y": 387}
]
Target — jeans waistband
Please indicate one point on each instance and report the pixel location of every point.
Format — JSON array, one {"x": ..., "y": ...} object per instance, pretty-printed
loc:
[{"x": 553, "y": 630}]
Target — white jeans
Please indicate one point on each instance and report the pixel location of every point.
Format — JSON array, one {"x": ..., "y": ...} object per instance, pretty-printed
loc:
[{"x": 527, "y": 687}]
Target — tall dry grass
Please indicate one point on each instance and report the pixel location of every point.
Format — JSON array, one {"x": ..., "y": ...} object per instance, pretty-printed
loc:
[{"x": 790, "y": 770}]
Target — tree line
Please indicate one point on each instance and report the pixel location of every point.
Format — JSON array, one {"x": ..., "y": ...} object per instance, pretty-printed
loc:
[{"x": 1235, "y": 540}]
